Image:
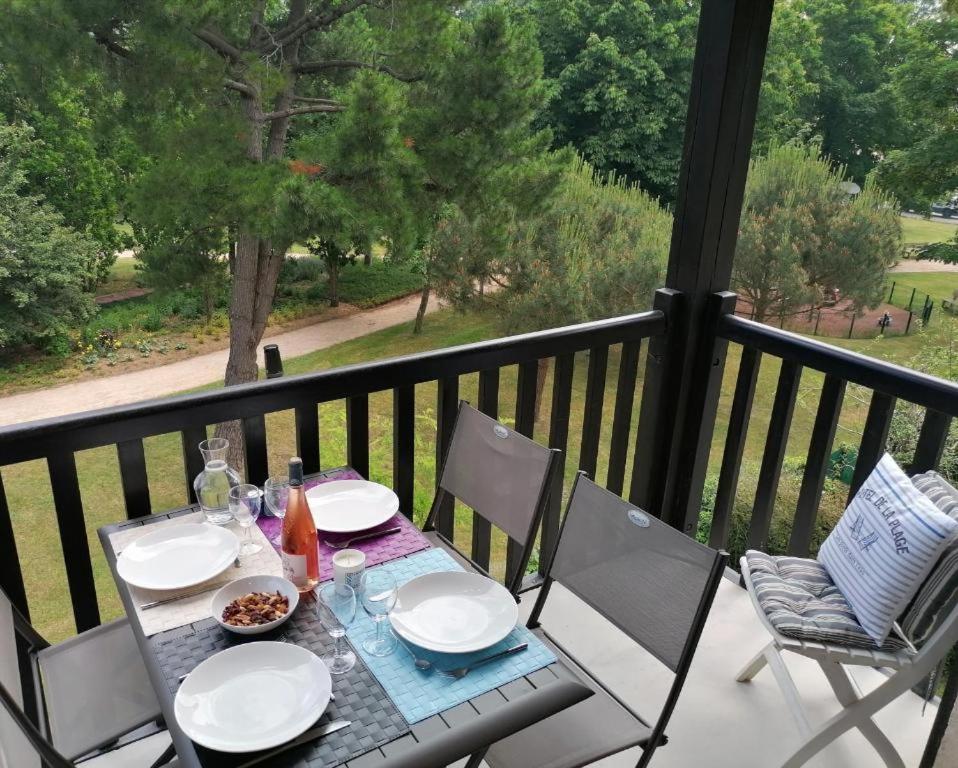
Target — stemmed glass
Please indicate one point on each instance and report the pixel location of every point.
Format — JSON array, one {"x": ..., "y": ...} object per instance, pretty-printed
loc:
[
  {"x": 379, "y": 593},
  {"x": 246, "y": 502},
  {"x": 336, "y": 607},
  {"x": 276, "y": 492}
]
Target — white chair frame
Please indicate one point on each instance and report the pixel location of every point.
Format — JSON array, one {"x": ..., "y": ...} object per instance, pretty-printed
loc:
[{"x": 908, "y": 668}]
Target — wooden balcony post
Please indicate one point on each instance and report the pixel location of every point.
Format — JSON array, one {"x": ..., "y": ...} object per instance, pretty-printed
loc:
[{"x": 726, "y": 76}]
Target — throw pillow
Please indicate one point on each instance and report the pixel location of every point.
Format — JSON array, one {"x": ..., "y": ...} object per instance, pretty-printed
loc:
[{"x": 886, "y": 542}]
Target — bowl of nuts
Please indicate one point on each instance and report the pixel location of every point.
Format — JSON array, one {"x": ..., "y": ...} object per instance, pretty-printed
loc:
[{"x": 254, "y": 604}]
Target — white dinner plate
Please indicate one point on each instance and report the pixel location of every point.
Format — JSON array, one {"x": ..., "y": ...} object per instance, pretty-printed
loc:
[
  {"x": 454, "y": 612},
  {"x": 347, "y": 506},
  {"x": 253, "y": 696},
  {"x": 178, "y": 556}
]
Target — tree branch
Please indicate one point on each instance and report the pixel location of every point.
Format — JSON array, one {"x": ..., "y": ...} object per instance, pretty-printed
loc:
[
  {"x": 219, "y": 44},
  {"x": 312, "y": 21},
  {"x": 303, "y": 111},
  {"x": 310, "y": 100},
  {"x": 311, "y": 67},
  {"x": 243, "y": 88},
  {"x": 112, "y": 46}
]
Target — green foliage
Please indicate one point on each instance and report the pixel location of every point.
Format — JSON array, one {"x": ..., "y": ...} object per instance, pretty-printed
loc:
[
  {"x": 801, "y": 238},
  {"x": 382, "y": 281},
  {"x": 830, "y": 509},
  {"x": 44, "y": 265},
  {"x": 619, "y": 74},
  {"x": 597, "y": 251}
]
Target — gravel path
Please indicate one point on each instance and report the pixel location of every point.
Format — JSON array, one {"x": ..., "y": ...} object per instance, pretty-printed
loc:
[
  {"x": 196, "y": 371},
  {"x": 923, "y": 265}
]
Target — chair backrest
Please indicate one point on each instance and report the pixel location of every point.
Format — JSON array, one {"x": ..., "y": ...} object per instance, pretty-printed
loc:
[
  {"x": 501, "y": 474},
  {"x": 21, "y": 743},
  {"x": 651, "y": 581}
]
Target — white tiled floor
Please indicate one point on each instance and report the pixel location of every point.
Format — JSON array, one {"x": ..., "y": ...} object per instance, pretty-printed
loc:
[{"x": 718, "y": 722}]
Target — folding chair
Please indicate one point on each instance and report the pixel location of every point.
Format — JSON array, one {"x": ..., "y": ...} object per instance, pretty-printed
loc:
[
  {"x": 503, "y": 476},
  {"x": 652, "y": 582},
  {"x": 908, "y": 667},
  {"x": 69, "y": 704}
]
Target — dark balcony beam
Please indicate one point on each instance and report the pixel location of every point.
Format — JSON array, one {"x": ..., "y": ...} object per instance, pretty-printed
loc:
[{"x": 726, "y": 77}]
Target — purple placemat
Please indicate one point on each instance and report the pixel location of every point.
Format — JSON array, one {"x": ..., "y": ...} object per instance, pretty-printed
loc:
[{"x": 407, "y": 541}]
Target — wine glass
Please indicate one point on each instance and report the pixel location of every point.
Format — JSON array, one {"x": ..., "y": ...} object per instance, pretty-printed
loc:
[
  {"x": 336, "y": 608},
  {"x": 379, "y": 593},
  {"x": 276, "y": 493},
  {"x": 245, "y": 503}
]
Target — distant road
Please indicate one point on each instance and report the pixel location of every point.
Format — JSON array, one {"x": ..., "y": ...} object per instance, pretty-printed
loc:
[{"x": 196, "y": 371}]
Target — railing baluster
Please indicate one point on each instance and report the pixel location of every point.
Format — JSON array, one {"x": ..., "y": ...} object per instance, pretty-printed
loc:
[
  {"x": 357, "y": 433},
  {"x": 447, "y": 406},
  {"x": 592, "y": 418},
  {"x": 254, "y": 438},
  {"x": 735, "y": 436},
  {"x": 931, "y": 441},
  {"x": 11, "y": 577},
  {"x": 76, "y": 549},
  {"x": 775, "y": 443},
  {"x": 489, "y": 405},
  {"x": 191, "y": 437},
  {"x": 622, "y": 417},
  {"x": 133, "y": 478},
  {"x": 307, "y": 436},
  {"x": 816, "y": 465},
  {"x": 874, "y": 437},
  {"x": 558, "y": 438},
  {"x": 525, "y": 425},
  {"x": 404, "y": 446}
]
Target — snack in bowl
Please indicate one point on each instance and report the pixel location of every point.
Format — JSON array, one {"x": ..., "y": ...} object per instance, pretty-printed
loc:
[
  {"x": 255, "y": 608},
  {"x": 252, "y": 605}
]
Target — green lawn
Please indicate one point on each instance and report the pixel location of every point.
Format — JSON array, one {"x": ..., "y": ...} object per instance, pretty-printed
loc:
[
  {"x": 938, "y": 285},
  {"x": 921, "y": 231},
  {"x": 123, "y": 275},
  {"x": 28, "y": 490}
]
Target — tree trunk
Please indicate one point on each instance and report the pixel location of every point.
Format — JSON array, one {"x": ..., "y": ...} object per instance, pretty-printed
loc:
[
  {"x": 333, "y": 266},
  {"x": 368, "y": 257},
  {"x": 421, "y": 312}
]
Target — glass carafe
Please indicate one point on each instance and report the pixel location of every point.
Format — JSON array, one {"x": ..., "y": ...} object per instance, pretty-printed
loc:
[{"x": 212, "y": 485}]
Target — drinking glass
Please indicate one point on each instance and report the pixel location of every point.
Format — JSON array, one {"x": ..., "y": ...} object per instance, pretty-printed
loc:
[
  {"x": 245, "y": 503},
  {"x": 336, "y": 608},
  {"x": 379, "y": 594},
  {"x": 276, "y": 493}
]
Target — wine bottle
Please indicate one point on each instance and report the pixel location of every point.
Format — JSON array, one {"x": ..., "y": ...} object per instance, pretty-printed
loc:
[{"x": 299, "y": 543}]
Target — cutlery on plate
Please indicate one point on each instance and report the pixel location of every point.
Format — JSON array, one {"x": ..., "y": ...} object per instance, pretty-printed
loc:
[
  {"x": 423, "y": 665},
  {"x": 363, "y": 537},
  {"x": 304, "y": 738},
  {"x": 181, "y": 596},
  {"x": 461, "y": 672}
]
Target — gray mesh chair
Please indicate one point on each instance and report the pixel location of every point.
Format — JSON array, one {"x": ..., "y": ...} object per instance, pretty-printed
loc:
[
  {"x": 67, "y": 701},
  {"x": 502, "y": 475},
  {"x": 652, "y": 582}
]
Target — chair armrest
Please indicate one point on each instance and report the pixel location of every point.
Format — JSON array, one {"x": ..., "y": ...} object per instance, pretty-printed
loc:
[{"x": 486, "y": 729}]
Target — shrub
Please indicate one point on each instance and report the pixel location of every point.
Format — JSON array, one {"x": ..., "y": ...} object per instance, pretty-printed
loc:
[
  {"x": 302, "y": 269},
  {"x": 153, "y": 322}
]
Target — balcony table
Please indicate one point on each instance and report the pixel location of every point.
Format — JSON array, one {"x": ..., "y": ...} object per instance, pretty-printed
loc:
[{"x": 386, "y": 720}]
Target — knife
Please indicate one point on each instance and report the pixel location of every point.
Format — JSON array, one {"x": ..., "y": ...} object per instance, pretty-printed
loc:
[
  {"x": 181, "y": 596},
  {"x": 303, "y": 738}
]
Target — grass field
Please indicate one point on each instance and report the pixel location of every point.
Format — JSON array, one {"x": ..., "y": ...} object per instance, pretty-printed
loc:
[
  {"x": 920, "y": 231},
  {"x": 938, "y": 285},
  {"x": 123, "y": 275},
  {"x": 28, "y": 491}
]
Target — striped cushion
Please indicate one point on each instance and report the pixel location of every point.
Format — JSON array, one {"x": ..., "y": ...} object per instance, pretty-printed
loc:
[
  {"x": 938, "y": 596},
  {"x": 885, "y": 544},
  {"x": 800, "y": 601}
]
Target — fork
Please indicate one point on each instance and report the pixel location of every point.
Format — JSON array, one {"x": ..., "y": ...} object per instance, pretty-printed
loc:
[
  {"x": 363, "y": 537},
  {"x": 461, "y": 672}
]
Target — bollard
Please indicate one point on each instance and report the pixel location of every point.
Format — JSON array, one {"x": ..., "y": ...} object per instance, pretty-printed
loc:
[{"x": 273, "y": 361}]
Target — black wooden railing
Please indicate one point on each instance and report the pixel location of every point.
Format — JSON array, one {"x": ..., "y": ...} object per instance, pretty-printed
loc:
[
  {"x": 58, "y": 440},
  {"x": 887, "y": 382}
]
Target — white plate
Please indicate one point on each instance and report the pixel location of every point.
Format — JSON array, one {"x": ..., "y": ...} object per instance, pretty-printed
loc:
[
  {"x": 244, "y": 586},
  {"x": 253, "y": 696},
  {"x": 454, "y": 612},
  {"x": 347, "y": 506},
  {"x": 178, "y": 556}
]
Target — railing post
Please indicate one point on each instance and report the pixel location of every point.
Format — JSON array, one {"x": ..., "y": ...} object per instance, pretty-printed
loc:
[
  {"x": 726, "y": 78},
  {"x": 891, "y": 292}
]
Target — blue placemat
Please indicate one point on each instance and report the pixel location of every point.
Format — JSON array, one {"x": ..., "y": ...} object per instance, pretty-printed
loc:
[{"x": 419, "y": 695}]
